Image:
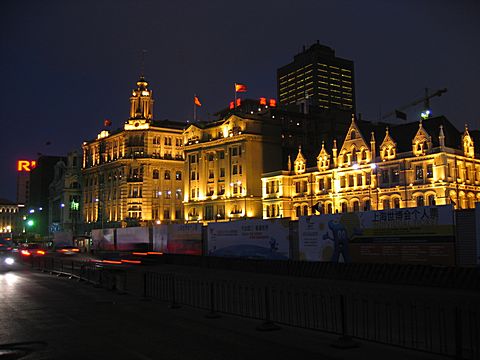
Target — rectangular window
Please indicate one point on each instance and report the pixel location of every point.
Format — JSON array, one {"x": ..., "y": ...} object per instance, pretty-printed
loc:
[
  {"x": 321, "y": 184},
  {"x": 359, "y": 179},
  {"x": 342, "y": 181},
  {"x": 221, "y": 154},
  {"x": 350, "y": 180},
  {"x": 384, "y": 174},
  {"x": 194, "y": 176},
  {"x": 211, "y": 174},
  {"x": 222, "y": 172},
  {"x": 234, "y": 169},
  {"x": 209, "y": 212},
  {"x": 395, "y": 175},
  {"x": 221, "y": 189},
  {"x": 419, "y": 172},
  {"x": 304, "y": 186},
  {"x": 430, "y": 171},
  {"x": 166, "y": 214},
  {"x": 193, "y": 194},
  {"x": 297, "y": 187}
]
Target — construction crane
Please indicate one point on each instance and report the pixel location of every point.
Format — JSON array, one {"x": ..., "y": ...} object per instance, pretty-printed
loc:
[{"x": 426, "y": 103}]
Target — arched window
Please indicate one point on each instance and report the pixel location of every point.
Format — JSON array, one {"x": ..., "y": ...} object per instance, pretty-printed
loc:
[
  {"x": 156, "y": 174},
  {"x": 386, "y": 204},
  {"x": 431, "y": 200},
  {"x": 167, "y": 174},
  {"x": 344, "y": 207},
  {"x": 368, "y": 205},
  {"x": 305, "y": 210},
  {"x": 396, "y": 203},
  {"x": 178, "y": 175},
  {"x": 353, "y": 135},
  {"x": 356, "y": 206},
  {"x": 354, "y": 156},
  {"x": 298, "y": 211},
  {"x": 420, "y": 200},
  {"x": 329, "y": 208}
]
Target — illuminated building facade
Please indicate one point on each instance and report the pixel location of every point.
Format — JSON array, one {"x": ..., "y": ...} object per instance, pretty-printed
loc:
[
  {"x": 319, "y": 78},
  {"x": 37, "y": 207},
  {"x": 224, "y": 161},
  {"x": 307, "y": 128},
  {"x": 8, "y": 218},
  {"x": 65, "y": 194},
  {"x": 135, "y": 174},
  {"x": 421, "y": 163}
]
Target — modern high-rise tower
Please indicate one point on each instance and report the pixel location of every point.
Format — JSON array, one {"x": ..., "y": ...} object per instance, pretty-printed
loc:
[{"x": 317, "y": 77}]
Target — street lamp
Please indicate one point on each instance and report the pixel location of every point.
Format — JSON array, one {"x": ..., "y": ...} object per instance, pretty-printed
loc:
[{"x": 99, "y": 206}]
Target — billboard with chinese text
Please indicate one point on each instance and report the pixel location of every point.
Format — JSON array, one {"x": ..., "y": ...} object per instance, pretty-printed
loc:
[{"x": 410, "y": 235}]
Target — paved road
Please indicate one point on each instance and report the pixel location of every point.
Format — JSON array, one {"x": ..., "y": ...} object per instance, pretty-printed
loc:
[{"x": 64, "y": 319}]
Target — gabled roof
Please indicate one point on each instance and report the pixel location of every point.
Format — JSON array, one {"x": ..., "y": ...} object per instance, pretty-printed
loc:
[{"x": 403, "y": 134}]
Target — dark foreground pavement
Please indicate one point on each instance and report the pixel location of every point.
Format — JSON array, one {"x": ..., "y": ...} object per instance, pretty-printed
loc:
[{"x": 60, "y": 318}]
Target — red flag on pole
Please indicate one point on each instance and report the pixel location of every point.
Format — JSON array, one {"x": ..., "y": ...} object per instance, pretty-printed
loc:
[
  {"x": 240, "y": 87},
  {"x": 197, "y": 101},
  {"x": 107, "y": 122}
]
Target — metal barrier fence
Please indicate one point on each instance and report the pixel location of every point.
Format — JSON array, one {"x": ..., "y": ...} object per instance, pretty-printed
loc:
[
  {"x": 406, "y": 274},
  {"x": 429, "y": 324},
  {"x": 421, "y": 325}
]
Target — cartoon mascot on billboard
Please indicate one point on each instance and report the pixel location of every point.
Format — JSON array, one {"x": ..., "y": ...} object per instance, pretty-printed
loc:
[{"x": 342, "y": 232}]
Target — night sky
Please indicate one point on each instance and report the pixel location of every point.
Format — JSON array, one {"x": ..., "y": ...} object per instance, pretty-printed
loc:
[{"x": 68, "y": 65}]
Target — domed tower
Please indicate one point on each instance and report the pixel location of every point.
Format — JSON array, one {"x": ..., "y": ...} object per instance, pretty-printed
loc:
[
  {"x": 141, "y": 107},
  {"x": 141, "y": 102}
]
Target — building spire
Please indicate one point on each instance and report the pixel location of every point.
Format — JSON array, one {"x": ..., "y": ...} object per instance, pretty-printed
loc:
[
  {"x": 441, "y": 137},
  {"x": 142, "y": 64}
]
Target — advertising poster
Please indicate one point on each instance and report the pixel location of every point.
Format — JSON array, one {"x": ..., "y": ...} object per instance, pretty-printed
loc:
[
  {"x": 103, "y": 239},
  {"x": 411, "y": 235},
  {"x": 184, "y": 239},
  {"x": 133, "y": 239},
  {"x": 253, "y": 239}
]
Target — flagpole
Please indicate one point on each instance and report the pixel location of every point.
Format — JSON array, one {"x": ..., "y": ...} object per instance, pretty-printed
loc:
[
  {"x": 235, "y": 96},
  {"x": 194, "y": 108}
]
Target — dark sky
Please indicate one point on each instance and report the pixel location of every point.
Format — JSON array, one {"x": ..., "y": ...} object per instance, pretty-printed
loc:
[{"x": 68, "y": 65}]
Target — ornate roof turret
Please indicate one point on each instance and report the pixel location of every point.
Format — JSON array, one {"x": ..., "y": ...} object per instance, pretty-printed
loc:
[
  {"x": 388, "y": 148},
  {"x": 141, "y": 106},
  {"x": 300, "y": 162},
  {"x": 467, "y": 142},
  {"x": 354, "y": 148},
  {"x": 422, "y": 142},
  {"x": 323, "y": 159}
]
